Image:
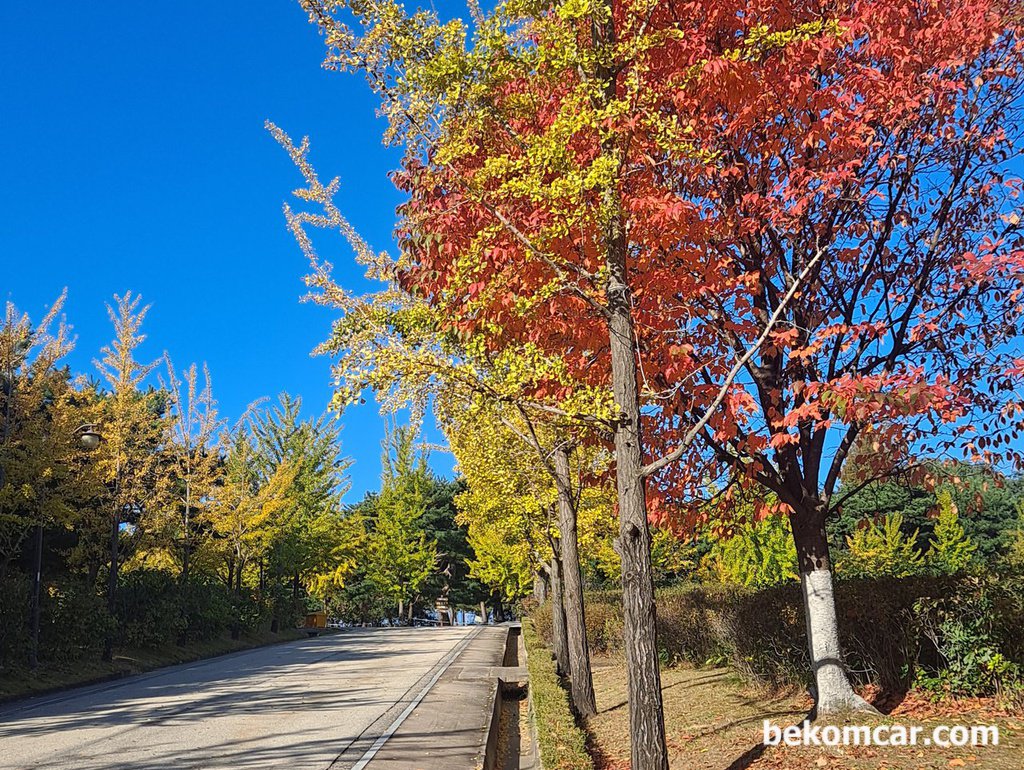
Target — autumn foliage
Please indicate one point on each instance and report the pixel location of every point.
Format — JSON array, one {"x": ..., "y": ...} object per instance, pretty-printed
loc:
[
  {"x": 770, "y": 234},
  {"x": 864, "y": 146}
]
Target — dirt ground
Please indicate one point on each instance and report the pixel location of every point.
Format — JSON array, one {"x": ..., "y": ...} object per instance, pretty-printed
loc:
[{"x": 713, "y": 723}]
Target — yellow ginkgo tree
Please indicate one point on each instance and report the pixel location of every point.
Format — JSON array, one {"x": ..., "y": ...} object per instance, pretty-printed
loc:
[{"x": 132, "y": 417}]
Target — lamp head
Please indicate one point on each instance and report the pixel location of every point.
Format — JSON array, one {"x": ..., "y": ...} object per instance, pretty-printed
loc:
[{"x": 89, "y": 437}]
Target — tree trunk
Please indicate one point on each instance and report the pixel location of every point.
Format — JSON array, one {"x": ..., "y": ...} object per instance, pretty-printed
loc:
[
  {"x": 115, "y": 541},
  {"x": 559, "y": 642},
  {"x": 649, "y": 750},
  {"x": 540, "y": 587},
  {"x": 483, "y": 614},
  {"x": 646, "y": 715},
  {"x": 833, "y": 693},
  {"x": 581, "y": 683},
  {"x": 401, "y": 610}
]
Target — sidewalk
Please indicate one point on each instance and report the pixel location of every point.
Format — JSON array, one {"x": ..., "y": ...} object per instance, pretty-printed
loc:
[{"x": 449, "y": 728}]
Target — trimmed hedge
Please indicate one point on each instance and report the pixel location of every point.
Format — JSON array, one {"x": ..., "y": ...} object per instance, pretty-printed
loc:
[
  {"x": 894, "y": 631},
  {"x": 562, "y": 743},
  {"x": 15, "y": 600},
  {"x": 153, "y": 608}
]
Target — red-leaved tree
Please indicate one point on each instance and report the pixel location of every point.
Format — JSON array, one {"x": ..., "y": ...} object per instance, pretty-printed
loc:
[{"x": 770, "y": 229}]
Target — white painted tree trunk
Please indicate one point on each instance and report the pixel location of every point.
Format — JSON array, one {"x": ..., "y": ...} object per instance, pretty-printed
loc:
[{"x": 834, "y": 694}]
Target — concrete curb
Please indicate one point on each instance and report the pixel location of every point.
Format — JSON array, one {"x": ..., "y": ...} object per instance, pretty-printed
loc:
[{"x": 512, "y": 680}]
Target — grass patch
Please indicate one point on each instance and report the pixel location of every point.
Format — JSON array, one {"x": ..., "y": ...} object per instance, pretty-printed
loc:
[
  {"x": 20, "y": 682},
  {"x": 561, "y": 743}
]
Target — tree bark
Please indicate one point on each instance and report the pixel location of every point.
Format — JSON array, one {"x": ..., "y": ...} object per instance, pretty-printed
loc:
[
  {"x": 646, "y": 714},
  {"x": 581, "y": 683},
  {"x": 540, "y": 587},
  {"x": 833, "y": 693},
  {"x": 649, "y": 750},
  {"x": 558, "y": 630}
]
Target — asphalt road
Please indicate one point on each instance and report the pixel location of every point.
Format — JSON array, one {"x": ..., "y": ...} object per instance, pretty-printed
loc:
[{"x": 298, "y": 705}]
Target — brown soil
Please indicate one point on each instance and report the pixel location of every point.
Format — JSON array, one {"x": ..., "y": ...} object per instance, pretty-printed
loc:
[{"x": 713, "y": 723}]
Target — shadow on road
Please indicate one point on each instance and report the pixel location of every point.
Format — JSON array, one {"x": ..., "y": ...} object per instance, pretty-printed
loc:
[{"x": 230, "y": 711}]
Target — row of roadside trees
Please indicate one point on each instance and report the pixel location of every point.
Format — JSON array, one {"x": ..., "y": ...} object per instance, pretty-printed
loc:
[
  {"x": 174, "y": 525},
  {"x": 231, "y": 524},
  {"x": 688, "y": 255}
]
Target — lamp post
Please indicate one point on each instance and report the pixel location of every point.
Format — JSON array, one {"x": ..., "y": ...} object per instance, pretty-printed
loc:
[{"x": 90, "y": 439}]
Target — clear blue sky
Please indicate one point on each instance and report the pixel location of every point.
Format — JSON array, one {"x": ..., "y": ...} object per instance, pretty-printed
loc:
[{"x": 133, "y": 156}]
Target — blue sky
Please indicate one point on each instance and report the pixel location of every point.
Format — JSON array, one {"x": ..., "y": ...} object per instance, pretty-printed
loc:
[{"x": 133, "y": 156}]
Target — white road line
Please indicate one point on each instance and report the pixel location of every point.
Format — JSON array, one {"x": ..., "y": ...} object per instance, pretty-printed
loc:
[{"x": 393, "y": 727}]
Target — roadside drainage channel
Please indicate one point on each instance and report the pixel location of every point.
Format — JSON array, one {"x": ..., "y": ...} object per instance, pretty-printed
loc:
[{"x": 511, "y": 742}]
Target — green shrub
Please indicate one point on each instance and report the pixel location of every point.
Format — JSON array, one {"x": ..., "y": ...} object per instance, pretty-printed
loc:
[
  {"x": 153, "y": 608},
  {"x": 148, "y": 609},
  {"x": 972, "y": 640},
  {"x": 285, "y": 608},
  {"x": 206, "y": 611},
  {"x": 15, "y": 598},
  {"x": 562, "y": 743},
  {"x": 761, "y": 633},
  {"x": 759, "y": 554},
  {"x": 246, "y": 613},
  {"x": 74, "y": 622},
  {"x": 951, "y": 551}
]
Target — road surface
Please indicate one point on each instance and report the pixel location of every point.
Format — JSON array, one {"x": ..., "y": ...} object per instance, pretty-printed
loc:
[{"x": 314, "y": 703}]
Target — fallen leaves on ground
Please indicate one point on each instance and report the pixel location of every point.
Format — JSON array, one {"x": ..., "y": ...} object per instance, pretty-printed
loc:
[{"x": 714, "y": 723}]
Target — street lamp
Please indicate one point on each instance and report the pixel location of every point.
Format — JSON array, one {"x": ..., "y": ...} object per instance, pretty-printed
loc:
[
  {"x": 89, "y": 435},
  {"x": 90, "y": 438}
]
